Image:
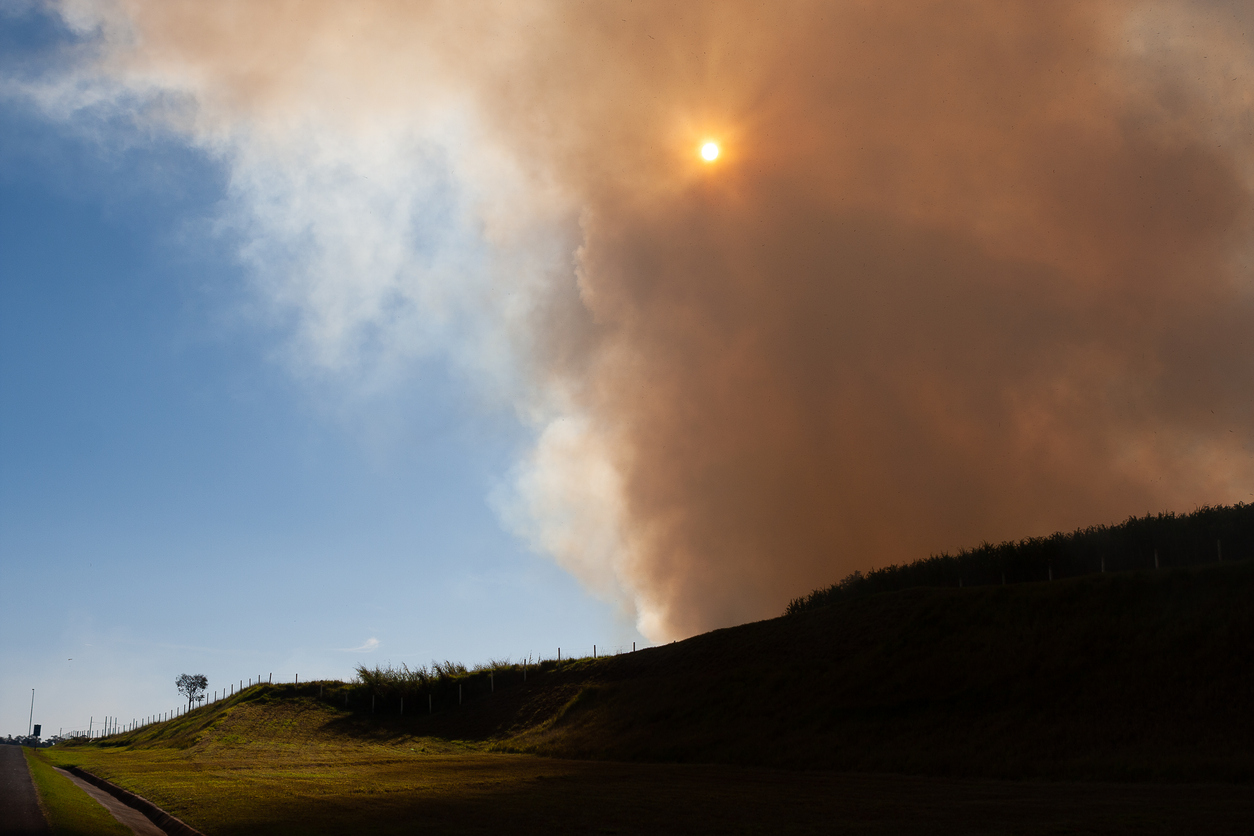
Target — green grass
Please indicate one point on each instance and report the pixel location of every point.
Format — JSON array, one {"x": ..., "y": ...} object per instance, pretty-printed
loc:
[
  {"x": 70, "y": 811},
  {"x": 293, "y": 766},
  {"x": 1141, "y": 678}
]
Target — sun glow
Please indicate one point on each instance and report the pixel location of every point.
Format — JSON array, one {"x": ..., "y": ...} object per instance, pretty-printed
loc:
[{"x": 709, "y": 151}]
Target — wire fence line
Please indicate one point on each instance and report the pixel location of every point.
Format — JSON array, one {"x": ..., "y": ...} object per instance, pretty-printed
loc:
[
  {"x": 445, "y": 685},
  {"x": 109, "y": 725}
]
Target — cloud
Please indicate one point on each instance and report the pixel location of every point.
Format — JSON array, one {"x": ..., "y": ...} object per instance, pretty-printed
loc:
[{"x": 368, "y": 646}]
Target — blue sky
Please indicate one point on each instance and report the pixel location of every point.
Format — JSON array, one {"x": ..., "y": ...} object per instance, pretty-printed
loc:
[{"x": 175, "y": 498}]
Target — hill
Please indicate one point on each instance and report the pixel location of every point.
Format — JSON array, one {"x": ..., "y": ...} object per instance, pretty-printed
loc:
[
  {"x": 1137, "y": 675},
  {"x": 1132, "y": 676}
]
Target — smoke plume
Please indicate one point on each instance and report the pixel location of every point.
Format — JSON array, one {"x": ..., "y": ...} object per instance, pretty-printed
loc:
[{"x": 962, "y": 272}]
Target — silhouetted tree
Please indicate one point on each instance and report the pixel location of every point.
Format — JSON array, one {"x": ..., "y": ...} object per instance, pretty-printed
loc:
[{"x": 193, "y": 685}]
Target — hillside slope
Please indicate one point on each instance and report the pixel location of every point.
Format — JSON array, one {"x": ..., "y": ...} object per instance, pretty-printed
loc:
[
  {"x": 1117, "y": 676},
  {"x": 1123, "y": 676}
]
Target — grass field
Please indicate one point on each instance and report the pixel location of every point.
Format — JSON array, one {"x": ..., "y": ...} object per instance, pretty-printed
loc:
[
  {"x": 71, "y": 812},
  {"x": 1118, "y": 703},
  {"x": 289, "y": 767}
]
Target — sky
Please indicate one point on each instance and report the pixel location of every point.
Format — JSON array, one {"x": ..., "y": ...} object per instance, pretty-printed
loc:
[
  {"x": 376, "y": 333},
  {"x": 176, "y": 497}
]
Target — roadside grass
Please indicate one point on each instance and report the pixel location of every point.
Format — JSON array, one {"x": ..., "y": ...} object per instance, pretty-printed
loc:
[
  {"x": 305, "y": 778},
  {"x": 70, "y": 811},
  {"x": 263, "y": 751}
]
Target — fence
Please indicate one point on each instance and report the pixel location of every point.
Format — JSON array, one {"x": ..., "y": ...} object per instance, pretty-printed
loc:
[
  {"x": 110, "y": 726},
  {"x": 382, "y": 691}
]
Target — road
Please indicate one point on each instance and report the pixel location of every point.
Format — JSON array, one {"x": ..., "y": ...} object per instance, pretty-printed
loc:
[{"x": 19, "y": 806}]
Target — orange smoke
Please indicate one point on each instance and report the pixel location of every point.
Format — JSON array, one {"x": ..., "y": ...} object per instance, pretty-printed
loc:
[
  {"x": 966, "y": 272},
  {"x": 962, "y": 271}
]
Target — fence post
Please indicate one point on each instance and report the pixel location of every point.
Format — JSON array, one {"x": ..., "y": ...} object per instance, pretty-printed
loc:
[
  {"x": 633, "y": 647},
  {"x": 594, "y": 651}
]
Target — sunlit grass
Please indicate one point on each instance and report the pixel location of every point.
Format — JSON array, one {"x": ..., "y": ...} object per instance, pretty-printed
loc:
[
  {"x": 310, "y": 778},
  {"x": 292, "y": 766},
  {"x": 71, "y": 812}
]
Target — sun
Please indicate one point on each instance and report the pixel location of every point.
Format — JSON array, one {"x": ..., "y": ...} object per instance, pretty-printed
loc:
[{"x": 710, "y": 152}]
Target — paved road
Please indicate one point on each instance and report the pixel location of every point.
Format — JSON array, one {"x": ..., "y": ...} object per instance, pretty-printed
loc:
[{"x": 19, "y": 807}]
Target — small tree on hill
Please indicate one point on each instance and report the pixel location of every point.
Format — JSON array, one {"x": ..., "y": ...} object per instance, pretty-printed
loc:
[{"x": 192, "y": 685}]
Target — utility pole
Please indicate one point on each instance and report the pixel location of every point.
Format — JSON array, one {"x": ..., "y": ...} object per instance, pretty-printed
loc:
[{"x": 32, "y": 711}]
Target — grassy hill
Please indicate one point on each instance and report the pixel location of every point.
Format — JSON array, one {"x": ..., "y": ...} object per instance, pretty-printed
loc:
[
  {"x": 1137, "y": 675},
  {"x": 1133, "y": 676}
]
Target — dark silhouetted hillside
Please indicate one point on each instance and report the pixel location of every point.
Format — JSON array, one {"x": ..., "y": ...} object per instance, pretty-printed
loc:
[{"x": 1140, "y": 675}]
